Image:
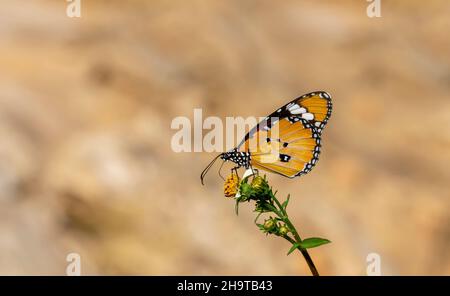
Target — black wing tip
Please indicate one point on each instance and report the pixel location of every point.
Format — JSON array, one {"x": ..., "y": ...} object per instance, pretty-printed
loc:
[{"x": 326, "y": 95}]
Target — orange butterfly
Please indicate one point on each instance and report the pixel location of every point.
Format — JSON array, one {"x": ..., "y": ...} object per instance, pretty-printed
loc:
[{"x": 287, "y": 142}]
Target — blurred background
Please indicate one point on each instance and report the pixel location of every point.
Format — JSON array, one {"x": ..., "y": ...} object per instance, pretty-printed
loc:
[{"x": 86, "y": 106}]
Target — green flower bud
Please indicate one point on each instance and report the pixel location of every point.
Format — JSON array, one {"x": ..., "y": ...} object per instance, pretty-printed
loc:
[
  {"x": 245, "y": 191},
  {"x": 283, "y": 230},
  {"x": 257, "y": 182},
  {"x": 270, "y": 224},
  {"x": 261, "y": 189}
]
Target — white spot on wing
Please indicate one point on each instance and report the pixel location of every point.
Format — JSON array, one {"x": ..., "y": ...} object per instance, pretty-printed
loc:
[
  {"x": 308, "y": 116},
  {"x": 293, "y": 107},
  {"x": 298, "y": 111}
]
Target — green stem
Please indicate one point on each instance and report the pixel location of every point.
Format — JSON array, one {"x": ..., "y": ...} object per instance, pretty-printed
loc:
[
  {"x": 283, "y": 215},
  {"x": 306, "y": 255}
]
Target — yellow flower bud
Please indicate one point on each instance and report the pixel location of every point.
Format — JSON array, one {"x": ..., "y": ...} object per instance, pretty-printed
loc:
[
  {"x": 258, "y": 183},
  {"x": 283, "y": 230},
  {"x": 269, "y": 224},
  {"x": 260, "y": 188}
]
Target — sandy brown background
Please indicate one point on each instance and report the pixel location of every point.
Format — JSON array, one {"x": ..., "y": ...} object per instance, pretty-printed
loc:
[{"x": 86, "y": 106}]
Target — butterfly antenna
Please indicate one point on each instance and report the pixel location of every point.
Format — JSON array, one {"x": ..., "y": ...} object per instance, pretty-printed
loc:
[{"x": 205, "y": 171}]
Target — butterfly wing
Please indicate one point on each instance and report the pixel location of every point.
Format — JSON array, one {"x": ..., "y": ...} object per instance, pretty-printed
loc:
[
  {"x": 288, "y": 146},
  {"x": 287, "y": 142},
  {"x": 314, "y": 107}
]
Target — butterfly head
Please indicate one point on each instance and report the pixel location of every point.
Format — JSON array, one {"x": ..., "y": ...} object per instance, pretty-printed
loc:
[{"x": 242, "y": 159}]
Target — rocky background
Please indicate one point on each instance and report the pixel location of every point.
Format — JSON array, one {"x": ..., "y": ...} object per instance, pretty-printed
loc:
[{"x": 86, "y": 105}]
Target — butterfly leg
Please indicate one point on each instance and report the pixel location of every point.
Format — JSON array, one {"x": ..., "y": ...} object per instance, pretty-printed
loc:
[
  {"x": 255, "y": 171},
  {"x": 234, "y": 170}
]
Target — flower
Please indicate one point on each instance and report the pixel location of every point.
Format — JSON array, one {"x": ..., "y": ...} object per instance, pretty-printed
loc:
[{"x": 230, "y": 187}]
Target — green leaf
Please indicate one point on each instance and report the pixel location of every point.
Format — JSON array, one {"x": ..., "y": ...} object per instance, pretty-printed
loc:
[
  {"x": 313, "y": 242},
  {"x": 261, "y": 227},
  {"x": 285, "y": 203},
  {"x": 271, "y": 207},
  {"x": 262, "y": 207},
  {"x": 292, "y": 249}
]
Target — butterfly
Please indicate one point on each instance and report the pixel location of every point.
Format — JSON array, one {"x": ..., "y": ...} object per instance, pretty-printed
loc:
[{"x": 287, "y": 142}]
